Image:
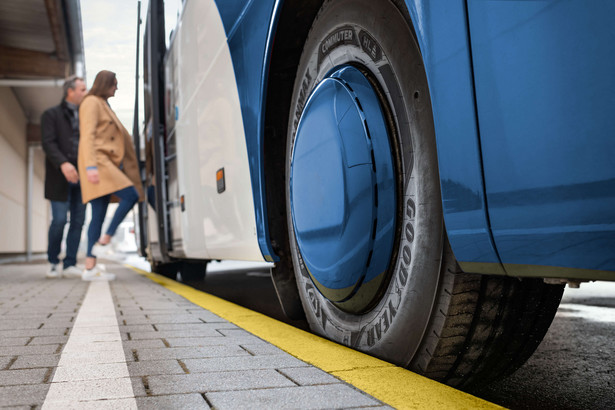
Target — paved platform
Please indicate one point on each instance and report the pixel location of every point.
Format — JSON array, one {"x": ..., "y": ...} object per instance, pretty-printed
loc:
[{"x": 144, "y": 341}]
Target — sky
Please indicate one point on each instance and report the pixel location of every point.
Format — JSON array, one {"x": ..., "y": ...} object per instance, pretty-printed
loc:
[{"x": 110, "y": 40}]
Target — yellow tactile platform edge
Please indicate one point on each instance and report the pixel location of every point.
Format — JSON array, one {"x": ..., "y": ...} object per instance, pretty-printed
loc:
[{"x": 393, "y": 385}]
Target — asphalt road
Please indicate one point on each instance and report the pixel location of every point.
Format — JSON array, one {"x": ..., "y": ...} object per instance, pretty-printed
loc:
[{"x": 573, "y": 368}]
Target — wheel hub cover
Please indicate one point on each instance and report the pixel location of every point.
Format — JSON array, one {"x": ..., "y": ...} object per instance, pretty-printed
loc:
[{"x": 342, "y": 187}]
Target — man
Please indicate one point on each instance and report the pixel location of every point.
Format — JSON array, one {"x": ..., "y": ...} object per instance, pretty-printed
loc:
[{"x": 60, "y": 135}]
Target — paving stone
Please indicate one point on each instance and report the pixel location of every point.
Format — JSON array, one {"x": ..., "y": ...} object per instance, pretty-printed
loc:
[
  {"x": 162, "y": 319},
  {"x": 27, "y": 312},
  {"x": 85, "y": 357},
  {"x": 137, "y": 387},
  {"x": 131, "y": 321},
  {"x": 31, "y": 362},
  {"x": 18, "y": 325},
  {"x": 113, "y": 404},
  {"x": 152, "y": 368},
  {"x": 97, "y": 330},
  {"x": 151, "y": 311},
  {"x": 30, "y": 350},
  {"x": 262, "y": 349},
  {"x": 309, "y": 376},
  {"x": 32, "y": 307},
  {"x": 136, "y": 328},
  {"x": 313, "y": 397},
  {"x": 236, "y": 333},
  {"x": 161, "y": 307},
  {"x": 209, "y": 341},
  {"x": 127, "y": 309},
  {"x": 217, "y": 381},
  {"x": 175, "y": 401},
  {"x": 4, "y": 361},
  {"x": 124, "y": 314},
  {"x": 190, "y": 352},
  {"x": 171, "y": 334},
  {"x": 91, "y": 389},
  {"x": 78, "y": 346},
  {"x": 35, "y": 332},
  {"x": 30, "y": 317},
  {"x": 207, "y": 316},
  {"x": 90, "y": 372},
  {"x": 123, "y": 320},
  {"x": 70, "y": 305},
  {"x": 48, "y": 340},
  {"x": 65, "y": 315},
  {"x": 143, "y": 344},
  {"x": 84, "y": 337},
  {"x": 196, "y": 327},
  {"x": 14, "y": 341},
  {"x": 242, "y": 363},
  {"x": 194, "y": 309},
  {"x": 19, "y": 377},
  {"x": 29, "y": 395},
  {"x": 62, "y": 323}
]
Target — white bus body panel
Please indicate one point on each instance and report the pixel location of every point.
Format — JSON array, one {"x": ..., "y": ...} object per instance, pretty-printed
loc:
[{"x": 210, "y": 135}]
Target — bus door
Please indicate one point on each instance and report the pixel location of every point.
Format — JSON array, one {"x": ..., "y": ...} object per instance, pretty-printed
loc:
[{"x": 157, "y": 223}]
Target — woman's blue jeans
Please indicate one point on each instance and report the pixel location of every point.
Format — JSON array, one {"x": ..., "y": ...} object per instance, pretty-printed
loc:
[{"x": 128, "y": 198}]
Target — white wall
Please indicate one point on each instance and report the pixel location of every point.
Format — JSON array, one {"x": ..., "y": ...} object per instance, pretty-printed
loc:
[{"x": 13, "y": 181}]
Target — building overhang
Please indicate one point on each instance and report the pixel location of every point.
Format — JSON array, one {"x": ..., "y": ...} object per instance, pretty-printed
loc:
[{"x": 41, "y": 43}]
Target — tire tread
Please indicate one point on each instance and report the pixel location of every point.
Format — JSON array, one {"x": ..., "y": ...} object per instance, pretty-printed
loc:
[{"x": 484, "y": 327}]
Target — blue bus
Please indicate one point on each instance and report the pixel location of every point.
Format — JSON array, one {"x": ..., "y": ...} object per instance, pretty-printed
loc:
[{"x": 424, "y": 175}]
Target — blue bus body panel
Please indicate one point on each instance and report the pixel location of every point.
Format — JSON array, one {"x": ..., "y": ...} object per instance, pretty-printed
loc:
[
  {"x": 546, "y": 136},
  {"x": 441, "y": 29},
  {"x": 545, "y": 86}
]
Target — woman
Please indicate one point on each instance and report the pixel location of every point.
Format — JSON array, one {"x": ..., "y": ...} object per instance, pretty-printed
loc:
[{"x": 108, "y": 166}]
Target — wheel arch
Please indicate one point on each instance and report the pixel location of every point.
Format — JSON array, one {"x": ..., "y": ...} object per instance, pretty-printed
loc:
[{"x": 292, "y": 20}]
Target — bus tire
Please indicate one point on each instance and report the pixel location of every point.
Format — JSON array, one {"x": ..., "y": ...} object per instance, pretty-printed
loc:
[
  {"x": 427, "y": 315},
  {"x": 192, "y": 271},
  {"x": 168, "y": 270}
]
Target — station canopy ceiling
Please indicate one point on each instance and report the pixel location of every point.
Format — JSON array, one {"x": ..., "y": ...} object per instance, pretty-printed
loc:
[{"x": 40, "y": 41}]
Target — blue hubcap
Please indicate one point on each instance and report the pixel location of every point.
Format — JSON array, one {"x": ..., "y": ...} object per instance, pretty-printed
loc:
[{"x": 342, "y": 188}]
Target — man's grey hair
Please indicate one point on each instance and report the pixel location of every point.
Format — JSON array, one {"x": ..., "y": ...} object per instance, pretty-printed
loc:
[{"x": 70, "y": 83}]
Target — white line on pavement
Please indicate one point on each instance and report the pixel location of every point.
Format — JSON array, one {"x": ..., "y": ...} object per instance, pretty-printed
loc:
[{"x": 92, "y": 372}]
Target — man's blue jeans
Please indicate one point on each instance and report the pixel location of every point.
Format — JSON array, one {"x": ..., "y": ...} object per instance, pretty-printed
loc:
[{"x": 59, "y": 217}]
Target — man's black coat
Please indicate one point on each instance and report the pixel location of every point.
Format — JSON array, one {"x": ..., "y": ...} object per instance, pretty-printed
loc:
[{"x": 57, "y": 134}]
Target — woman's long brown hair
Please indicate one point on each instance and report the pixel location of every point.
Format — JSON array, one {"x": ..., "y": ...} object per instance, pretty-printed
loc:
[{"x": 102, "y": 83}]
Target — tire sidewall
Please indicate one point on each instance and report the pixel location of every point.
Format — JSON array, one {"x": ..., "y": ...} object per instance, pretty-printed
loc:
[{"x": 383, "y": 44}]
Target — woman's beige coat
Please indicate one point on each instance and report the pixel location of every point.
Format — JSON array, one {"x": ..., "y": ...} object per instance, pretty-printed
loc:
[{"x": 104, "y": 143}]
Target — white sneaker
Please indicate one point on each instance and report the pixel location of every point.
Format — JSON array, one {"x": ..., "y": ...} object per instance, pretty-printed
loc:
[
  {"x": 72, "y": 272},
  {"x": 53, "y": 271},
  {"x": 99, "y": 250},
  {"x": 95, "y": 274}
]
